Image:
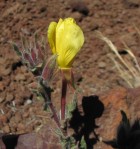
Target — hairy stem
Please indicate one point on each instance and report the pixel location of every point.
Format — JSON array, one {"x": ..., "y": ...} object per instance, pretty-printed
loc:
[
  {"x": 56, "y": 119},
  {"x": 63, "y": 98},
  {"x": 47, "y": 97}
]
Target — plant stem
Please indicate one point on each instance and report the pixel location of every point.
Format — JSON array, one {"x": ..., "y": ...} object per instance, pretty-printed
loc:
[
  {"x": 54, "y": 114},
  {"x": 52, "y": 108},
  {"x": 63, "y": 98},
  {"x": 47, "y": 97}
]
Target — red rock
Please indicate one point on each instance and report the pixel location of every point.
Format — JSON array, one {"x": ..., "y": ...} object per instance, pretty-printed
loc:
[
  {"x": 113, "y": 101},
  {"x": 133, "y": 101}
]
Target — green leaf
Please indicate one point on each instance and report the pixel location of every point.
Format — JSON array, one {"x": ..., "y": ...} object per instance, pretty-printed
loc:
[
  {"x": 16, "y": 49},
  {"x": 34, "y": 69},
  {"x": 67, "y": 142},
  {"x": 72, "y": 106},
  {"x": 83, "y": 144}
]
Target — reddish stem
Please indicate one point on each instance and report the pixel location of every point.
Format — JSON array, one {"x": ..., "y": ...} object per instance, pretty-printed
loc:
[
  {"x": 51, "y": 106},
  {"x": 54, "y": 115},
  {"x": 63, "y": 98}
]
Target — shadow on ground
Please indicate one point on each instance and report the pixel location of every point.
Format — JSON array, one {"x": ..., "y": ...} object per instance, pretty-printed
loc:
[
  {"x": 84, "y": 125},
  {"x": 10, "y": 141}
]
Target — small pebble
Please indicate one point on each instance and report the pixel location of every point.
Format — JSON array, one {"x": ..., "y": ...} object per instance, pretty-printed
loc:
[
  {"x": 101, "y": 64},
  {"x": 28, "y": 101}
]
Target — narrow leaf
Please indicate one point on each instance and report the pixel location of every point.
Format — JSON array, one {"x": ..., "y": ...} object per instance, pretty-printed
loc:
[
  {"x": 33, "y": 55},
  {"x": 16, "y": 49},
  {"x": 28, "y": 58}
]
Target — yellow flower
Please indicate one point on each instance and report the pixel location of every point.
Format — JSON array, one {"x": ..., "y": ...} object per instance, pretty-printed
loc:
[{"x": 65, "y": 39}]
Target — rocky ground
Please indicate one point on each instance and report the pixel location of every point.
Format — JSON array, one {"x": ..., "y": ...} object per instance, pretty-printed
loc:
[{"x": 104, "y": 92}]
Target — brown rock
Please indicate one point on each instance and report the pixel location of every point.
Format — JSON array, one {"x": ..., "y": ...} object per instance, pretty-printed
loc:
[
  {"x": 102, "y": 65},
  {"x": 18, "y": 117},
  {"x": 113, "y": 101},
  {"x": 9, "y": 97},
  {"x": 21, "y": 127},
  {"x": 20, "y": 77},
  {"x": 2, "y": 97},
  {"x": 25, "y": 115},
  {"x": 9, "y": 115},
  {"x": 30, "y": 141},
  {"x": 77, "y": 16},
  {"x": 3, "y": 118},
  {"x": 94, "y": 26},
  {"x": 2, "y": 145},
  {"x": 2, "y": 86},
  {"x": 133, "y": 101},
  {"x": 79, "y": 6},
  {"x": 6, "y": 129},
  {"x": 132, "y": 3},
  {"x": 5, "y": 71},
  {"x": 101, "y": 145}
]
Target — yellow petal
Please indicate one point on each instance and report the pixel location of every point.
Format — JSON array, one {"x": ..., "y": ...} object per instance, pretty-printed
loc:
[
  {"x": 59, "y": 33},
  {"x": 68, "y": 44},
  {"x": 69, "y": 21},
  {"x": 59, "y": 24},
  {"x": 52, "y": 36}
]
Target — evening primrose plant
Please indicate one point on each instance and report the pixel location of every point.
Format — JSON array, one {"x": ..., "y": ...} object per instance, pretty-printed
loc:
[{"x": 65, "y": 39}]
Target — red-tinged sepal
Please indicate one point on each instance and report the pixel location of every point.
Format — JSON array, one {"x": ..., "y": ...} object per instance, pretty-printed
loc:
[
  {"x": 49, "y": 69},
  {"x": 34, "y": 55},
  {"x": 27, "y": 58}
]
